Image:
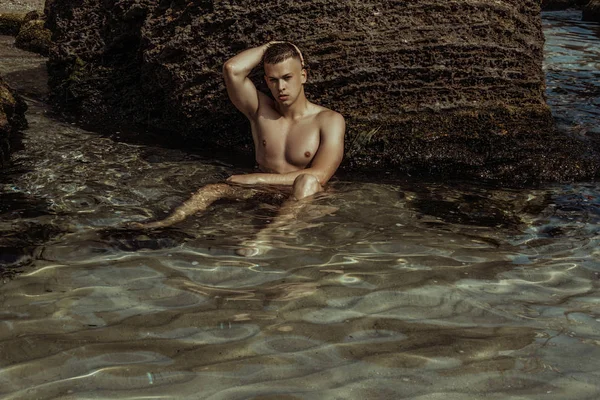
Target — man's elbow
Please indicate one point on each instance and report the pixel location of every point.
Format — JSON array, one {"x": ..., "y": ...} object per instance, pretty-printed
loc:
[
  {"x": 322, "y": 177},
  {"x": 230, "y": 69}
]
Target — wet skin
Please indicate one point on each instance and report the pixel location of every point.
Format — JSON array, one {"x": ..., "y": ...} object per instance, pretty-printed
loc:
[
  {"x": 297, "y": 143},
  {"x": 292, "y": 136}
]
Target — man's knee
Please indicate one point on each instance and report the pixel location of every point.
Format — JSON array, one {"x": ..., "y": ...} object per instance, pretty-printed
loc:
[{"x": 306, "y": 185}]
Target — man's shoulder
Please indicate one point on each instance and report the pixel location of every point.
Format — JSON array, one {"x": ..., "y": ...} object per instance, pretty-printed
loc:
[
  {"x": 327, "y": 115},
  {"x": 331, "y": 124}
]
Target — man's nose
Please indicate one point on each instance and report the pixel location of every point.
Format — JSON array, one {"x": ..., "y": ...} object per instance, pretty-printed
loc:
[{"x": 281, "y": 85}]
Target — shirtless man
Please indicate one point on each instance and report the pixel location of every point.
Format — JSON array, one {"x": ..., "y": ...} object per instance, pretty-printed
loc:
[{"x": 297, "y": 143}]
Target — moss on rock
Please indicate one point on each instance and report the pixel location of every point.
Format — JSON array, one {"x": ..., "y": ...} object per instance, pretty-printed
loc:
[{"x": 34, "y": 37}]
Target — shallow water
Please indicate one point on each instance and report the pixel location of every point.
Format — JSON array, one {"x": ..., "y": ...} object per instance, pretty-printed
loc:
[{"x": 408, "y": 289}]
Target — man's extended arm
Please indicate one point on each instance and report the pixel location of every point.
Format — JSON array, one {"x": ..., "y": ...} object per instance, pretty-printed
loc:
[
  {"x": 241, "y": 90},
  {"x": 326, "y": 161}
]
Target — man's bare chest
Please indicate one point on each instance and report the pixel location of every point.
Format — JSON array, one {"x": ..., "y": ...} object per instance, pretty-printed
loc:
[{"x": 279, "y": 141}]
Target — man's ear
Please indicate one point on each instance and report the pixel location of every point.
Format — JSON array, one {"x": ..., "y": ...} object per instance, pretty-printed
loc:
[{"x": 304, "y": 75}]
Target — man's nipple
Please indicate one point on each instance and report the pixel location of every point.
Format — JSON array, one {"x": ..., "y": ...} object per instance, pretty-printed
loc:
[
  {"x": 264, "y": 142},
  {"x": 307, "y": 154}
]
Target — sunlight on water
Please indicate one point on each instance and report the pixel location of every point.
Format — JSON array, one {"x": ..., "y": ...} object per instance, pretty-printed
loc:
[{"x": 416, "y": 290}]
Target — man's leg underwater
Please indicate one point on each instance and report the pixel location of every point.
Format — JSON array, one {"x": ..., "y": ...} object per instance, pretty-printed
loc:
[
  {"x": 199, "y": 201},
  {"x": 305, "y": 186}
]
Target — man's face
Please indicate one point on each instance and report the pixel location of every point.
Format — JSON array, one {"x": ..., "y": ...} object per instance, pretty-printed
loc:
[{"x": 285, "y": 80}]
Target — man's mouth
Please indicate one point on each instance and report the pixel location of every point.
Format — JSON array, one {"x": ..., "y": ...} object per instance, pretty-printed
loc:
[{"x": 283, "y": 96}]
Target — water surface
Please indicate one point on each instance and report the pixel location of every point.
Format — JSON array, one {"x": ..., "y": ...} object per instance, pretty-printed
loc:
[{"x": 416, "y": 290}]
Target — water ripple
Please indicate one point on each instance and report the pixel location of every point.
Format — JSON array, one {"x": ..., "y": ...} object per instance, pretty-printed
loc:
[{"x": 403, "y": 290}]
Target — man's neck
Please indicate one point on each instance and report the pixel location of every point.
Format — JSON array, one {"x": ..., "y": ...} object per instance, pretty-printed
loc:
[{"x": 296, "y": 110}]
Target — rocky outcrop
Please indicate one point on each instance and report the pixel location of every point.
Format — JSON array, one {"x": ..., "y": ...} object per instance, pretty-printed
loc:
[
  {"x": 10, "y": 23},
  {"x": 437, "y": 86},
  {"x": 12, "y": 118},
  {"x": 33, "y": 36},
  {"x": 554, "y": 5},
  {"x": 591, "y": 12}
]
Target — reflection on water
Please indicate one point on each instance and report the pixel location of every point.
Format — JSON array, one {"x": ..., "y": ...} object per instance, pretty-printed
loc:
[{"x": 408, "y": 290}]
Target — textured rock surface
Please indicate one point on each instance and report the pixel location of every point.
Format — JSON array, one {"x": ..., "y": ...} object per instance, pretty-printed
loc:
[
  {"x": 33, "y": 36},
  {"x": 12, "y": 13},
  {"x": 12, "y": 118},
  {"x": 21, "y": 6},
  {"x": 440, "y": 86},
  {"x": 591, "y": 12}
]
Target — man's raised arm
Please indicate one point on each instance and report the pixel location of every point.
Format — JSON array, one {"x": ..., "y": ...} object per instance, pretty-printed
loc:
[{"x": 241, "y": 90}]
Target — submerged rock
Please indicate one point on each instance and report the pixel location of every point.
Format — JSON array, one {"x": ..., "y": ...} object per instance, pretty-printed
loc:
[
  {"x": 23, "y": 242},
  {"x": 591, "y": 12},
  {"x": 435, "y": 86},
  {"x": 12, "y": 118}
]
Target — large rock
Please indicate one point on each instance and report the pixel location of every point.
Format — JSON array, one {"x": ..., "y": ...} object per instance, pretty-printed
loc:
[
  {"x": 12, "y": 118},
  {"x": 591, "y": 12},
  {"x": 440, "y": 86}
]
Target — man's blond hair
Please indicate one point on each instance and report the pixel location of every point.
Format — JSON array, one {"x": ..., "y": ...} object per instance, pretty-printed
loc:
[{"x": 280, "y": 51}]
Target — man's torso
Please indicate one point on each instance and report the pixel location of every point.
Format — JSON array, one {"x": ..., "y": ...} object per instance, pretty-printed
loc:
[{"x": 283, "y": 145}]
